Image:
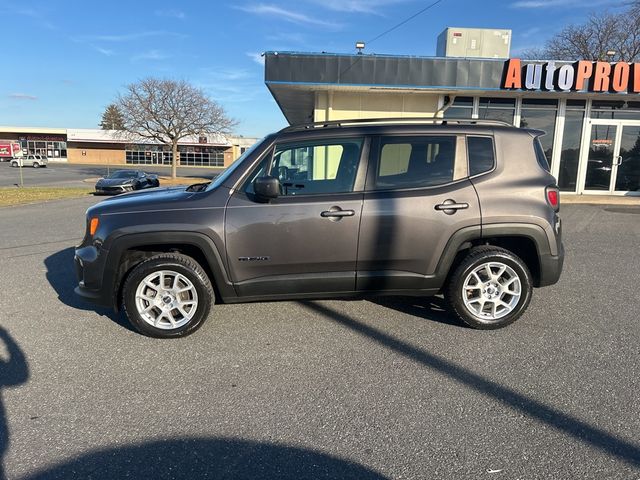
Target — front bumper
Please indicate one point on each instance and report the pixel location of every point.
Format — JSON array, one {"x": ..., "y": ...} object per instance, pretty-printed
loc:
[
  {"x": 114, "y": 190},
  {"x": 90, "y": 270}
]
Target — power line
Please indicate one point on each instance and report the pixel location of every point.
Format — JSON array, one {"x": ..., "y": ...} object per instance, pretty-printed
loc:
[{"x": 405, "y": 21}]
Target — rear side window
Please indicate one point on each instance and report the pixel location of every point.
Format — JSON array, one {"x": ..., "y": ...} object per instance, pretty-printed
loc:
[
  {"x": 411, "y": 162},
  {"x": 542, "y": 158},
  {"x": 481, "y": 154}
]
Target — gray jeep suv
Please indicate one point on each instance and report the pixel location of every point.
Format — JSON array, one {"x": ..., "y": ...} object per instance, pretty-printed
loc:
[{"x": 466, "y": 208}]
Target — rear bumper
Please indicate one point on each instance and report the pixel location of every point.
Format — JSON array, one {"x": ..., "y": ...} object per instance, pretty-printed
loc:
[{"x": 551, "y": 267}]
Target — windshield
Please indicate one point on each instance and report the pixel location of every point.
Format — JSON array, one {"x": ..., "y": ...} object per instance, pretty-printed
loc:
[
  {"x": 220, "y": 179},
  {"x": 123, "y": 174}
]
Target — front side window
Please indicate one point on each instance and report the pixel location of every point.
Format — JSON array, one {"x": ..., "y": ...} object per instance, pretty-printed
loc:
[
  {"x": 413, "y": 162},
  {"x": 319, "y": 167}
]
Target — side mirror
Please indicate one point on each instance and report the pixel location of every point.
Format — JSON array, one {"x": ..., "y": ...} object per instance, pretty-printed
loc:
[{"x": 267, "y": 187}]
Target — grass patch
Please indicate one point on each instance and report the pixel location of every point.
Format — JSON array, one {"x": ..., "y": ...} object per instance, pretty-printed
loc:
[
  {"x": 17, "y": 196},
  {"x": 166, "y": 181}
]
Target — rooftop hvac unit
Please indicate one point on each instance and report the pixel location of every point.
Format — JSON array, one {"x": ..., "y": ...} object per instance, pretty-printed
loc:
[{"x": 474, "y": 42}]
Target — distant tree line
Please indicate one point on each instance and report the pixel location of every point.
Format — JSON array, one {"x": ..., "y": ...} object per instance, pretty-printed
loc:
[{"x": 603, "y": 32}]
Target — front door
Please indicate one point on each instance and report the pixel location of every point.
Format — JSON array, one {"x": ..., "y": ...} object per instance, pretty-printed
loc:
[
  {"x": 305, "y": 240},
  {"x": 613, "y": 158}
]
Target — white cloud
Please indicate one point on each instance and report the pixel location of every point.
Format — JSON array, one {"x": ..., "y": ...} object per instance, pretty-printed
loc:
[
  {"x": 256, "y": 57},
  {"x": 358, "y": 6},
  {"x": 150, "y": 55},
  {"x": 180, "y": 15},
  {"x": 127, "y": 37},
  {"x": 22, "y": 96},
  {"x": 287, "y": 15},
  {"x": 40, "y": 15},
  {"x": 104, "y": 51},
  {"x": 562, "y": 3}
]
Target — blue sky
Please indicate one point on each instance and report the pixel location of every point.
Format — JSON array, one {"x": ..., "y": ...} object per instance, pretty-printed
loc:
[{"x": 64, "y": 61}]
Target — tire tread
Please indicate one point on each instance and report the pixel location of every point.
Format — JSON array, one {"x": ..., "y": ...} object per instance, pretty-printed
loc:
[
  {"x": 168, "y": 259},
  {"x": 475, "y": 254}
]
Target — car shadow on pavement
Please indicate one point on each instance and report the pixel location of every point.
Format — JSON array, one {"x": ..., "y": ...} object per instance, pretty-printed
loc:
[
  {"x": 568, "y": 424},
  {"x": 428, "y": 308},
  {"x": 62, "y": 277},
  {"x": 14, "y": 371},
  {"x": 220, "y": 458}
]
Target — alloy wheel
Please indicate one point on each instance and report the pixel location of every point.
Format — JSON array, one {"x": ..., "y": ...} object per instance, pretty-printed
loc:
[
  {"x": 491, "y": 291},
  {"x": 166, "y": 299}
]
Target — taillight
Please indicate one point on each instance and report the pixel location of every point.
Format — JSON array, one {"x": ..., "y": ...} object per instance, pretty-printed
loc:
[{"x": 553, "y": 197}]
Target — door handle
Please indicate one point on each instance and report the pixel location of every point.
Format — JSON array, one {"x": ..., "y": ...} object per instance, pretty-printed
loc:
[
  {"x": 618, "y": 160},
  {"x": 451, "y": 206},
  {"x": 337, "y": 213}
]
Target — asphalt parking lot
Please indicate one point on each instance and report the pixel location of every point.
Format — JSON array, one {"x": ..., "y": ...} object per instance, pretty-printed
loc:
[
  {"x": 391, "y": 388},
  {"x": 72, "y": 175}
]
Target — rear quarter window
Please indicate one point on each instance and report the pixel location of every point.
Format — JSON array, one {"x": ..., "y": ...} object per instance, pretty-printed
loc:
[
  {"x": 540, "y": 156},
  {"x": 481, "y": 155}
]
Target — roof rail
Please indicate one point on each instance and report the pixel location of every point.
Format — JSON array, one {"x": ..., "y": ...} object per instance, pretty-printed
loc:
[{"x": 398, "y": 120}]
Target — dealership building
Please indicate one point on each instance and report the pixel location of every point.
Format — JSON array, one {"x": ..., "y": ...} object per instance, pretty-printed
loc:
[
  {"x": 590, "y": 111},
  {"x": 93, "y": 146}
]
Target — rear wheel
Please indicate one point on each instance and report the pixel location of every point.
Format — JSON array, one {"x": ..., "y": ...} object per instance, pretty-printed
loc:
[
  {"x": 167, "y": 296},
  {"x": 14, "y": 164},
  {"x": 490, "y": 289}
]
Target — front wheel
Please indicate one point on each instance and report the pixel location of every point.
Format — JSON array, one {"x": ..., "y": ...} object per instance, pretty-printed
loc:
[
  {"x": 168, "y": 295},
  {"x": 36, "y": 165},
  {"x": 490, "y": 289}
]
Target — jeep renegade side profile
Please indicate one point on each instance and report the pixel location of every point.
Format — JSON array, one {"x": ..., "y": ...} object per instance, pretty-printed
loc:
[{"x": 466, "y": 208}]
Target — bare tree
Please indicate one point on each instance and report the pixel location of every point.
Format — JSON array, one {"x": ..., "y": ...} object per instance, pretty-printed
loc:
[
  {"x": 602, "y": 32},
  {"x": 168, "y": 111},
  {"x": 112, "y": 118}
]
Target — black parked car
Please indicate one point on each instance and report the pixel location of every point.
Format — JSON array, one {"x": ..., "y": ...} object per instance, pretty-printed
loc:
[{"x": 122, "y": 181}]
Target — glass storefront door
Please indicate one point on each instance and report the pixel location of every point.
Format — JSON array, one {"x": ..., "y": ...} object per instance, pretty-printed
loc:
[
  {"x": 602, "y": 146},
  {"x": 613, "y": 158},
  {"x": 628, "y": 160}
]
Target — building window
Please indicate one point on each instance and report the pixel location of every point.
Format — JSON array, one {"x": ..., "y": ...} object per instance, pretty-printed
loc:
[
  {"x": 502, "y": 109},
  {"x": 462, "y": 108},
  {"x": 202, "y": 156},
  {"x": 571, "y": 139},
  {"x": 615, "y": 110},
  {"x": 541, "y": 114},
  {"x": 162, "y": 155},
  {"x": 148, "y": 155},
  {"x": 49, "y": 149}
]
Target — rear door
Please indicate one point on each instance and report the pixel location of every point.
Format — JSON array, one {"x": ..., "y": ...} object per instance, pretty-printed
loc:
[
  {"x": 417, "y": 196},
  {"x": 305, "y": 240}
]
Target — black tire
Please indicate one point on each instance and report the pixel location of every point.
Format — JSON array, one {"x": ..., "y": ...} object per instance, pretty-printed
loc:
[
  {"x": 478, "y": 256},
  {"x": 183, "y": 265},
  {"x": 14, "y": 164},
  {"x": 36, "y": 165}
]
